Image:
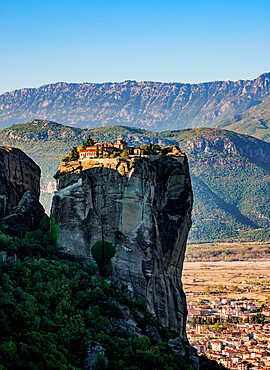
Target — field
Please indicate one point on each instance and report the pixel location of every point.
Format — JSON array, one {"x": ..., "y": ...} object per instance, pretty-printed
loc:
[
  {"x": 227, "y": 251},
  {"x": 227, "y": 278}
]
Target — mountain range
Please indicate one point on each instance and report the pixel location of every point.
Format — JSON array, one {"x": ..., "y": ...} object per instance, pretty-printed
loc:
[
  {"x": 149, "y": 105},
  {"x": 255, "y": 121},
  {"x": 230, "y": 172}
]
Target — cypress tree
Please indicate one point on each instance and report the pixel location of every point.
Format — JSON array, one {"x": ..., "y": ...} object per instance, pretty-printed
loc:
[{"x": 74, "y": 155}]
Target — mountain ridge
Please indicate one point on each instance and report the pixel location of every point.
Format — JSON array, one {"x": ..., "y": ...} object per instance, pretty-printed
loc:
[
  {"x": 150, "y": 105},
  {"x": 226, "y": 169},
  {"x": 255, "y": 121}
]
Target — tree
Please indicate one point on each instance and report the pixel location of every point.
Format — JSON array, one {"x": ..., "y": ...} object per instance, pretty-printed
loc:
[
  {"x": 144, "y": 147},
  {"x": 115, "y": 154},
  {"x": 102, "y": 253},
  {"x": 217, "y": 327},
  {"x": 151, "y": 148},
  {"x": 74, "y": 155},
  {"x": 125, "y": 153},
  {"x": 207, "y": 289},
  {"x": 97, "y": 152},
  {"x": 101, "y": 150},
  {"x": 54, "y": 232},
  {"x": 100, "y": 363},
  {"x": 220, "y": 287},
  {"x": 154, "y": 148},
  {"x": 66, "y": 159},
  {"x": 89, "y": 142}
]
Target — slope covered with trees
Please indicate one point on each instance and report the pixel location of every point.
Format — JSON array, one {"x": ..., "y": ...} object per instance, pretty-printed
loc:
[
  {"x": 58, "y": 314},
  {"x": 230, "y": 171},
  {"x": 255, "y": 121}
]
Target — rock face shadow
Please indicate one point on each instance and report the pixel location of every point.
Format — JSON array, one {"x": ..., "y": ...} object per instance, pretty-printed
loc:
[
  {"x": 144, "y": 210},
  {"x": 20, "y": 210}
]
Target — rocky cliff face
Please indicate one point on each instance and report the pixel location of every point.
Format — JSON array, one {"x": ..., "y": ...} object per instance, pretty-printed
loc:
[
  {"x": 143, "y": 207},
  {"x": 154, "y": 105},
  {"x": 19, "y": 190},
  {"x": 214, "y": 141}
]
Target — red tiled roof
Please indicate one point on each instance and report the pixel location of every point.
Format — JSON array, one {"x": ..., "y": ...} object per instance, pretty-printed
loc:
[{"x": 87, "y": 150}]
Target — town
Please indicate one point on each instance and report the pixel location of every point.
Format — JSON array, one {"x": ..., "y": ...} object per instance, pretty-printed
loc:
[{"x": 235, "y": 332}]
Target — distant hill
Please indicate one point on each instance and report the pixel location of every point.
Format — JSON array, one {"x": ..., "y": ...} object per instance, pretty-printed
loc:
[
  {"x": 150, "y": 105},
  {"x": 230, "y": 172},
  {"x": 255, "y": 121}
]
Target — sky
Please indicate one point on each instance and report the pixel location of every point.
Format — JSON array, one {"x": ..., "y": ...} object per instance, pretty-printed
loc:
[{"x": 44, "y": 42}]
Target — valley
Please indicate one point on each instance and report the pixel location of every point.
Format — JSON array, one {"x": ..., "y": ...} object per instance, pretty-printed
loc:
[
  {"x": 230, "y": 251},
  {"x": 255, "y": 121},
  {"x": 229, "y": 171},
  {"x": 209, "y": 279}
]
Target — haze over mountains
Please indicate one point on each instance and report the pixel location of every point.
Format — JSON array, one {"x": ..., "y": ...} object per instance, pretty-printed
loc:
[
  {"x": 150, "y": 105},
  {"x": 230, "y": 172},
  {"x": 255, "y": 121}
]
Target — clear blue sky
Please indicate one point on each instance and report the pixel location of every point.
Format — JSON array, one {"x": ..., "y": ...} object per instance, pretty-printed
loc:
[{"x": 111, "y": 40}]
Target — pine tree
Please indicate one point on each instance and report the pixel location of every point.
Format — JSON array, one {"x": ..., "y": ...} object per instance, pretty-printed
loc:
[
  {"x": 89, "y": 141},
  {"x": 74, "y": 155}
]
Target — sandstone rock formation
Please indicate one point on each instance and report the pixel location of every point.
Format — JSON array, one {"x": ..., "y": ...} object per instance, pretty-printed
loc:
[
  {"x": 142, "y": 206},
  {"x": 19, "y": 190}
]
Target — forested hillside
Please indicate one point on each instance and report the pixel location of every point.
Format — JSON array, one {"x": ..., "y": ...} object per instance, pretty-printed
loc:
[
  {"x": 255, "y": 121},
  {"x": 230, "y": 172},
  {"x": 58, "y": 314}
]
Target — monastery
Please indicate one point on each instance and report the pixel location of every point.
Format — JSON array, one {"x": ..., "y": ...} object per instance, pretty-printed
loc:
[{"x": 120, "y": 146}]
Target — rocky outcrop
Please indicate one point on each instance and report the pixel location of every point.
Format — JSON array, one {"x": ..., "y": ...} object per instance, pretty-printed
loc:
[
  {"x": 155, "y": 105},
  {"x": 142, "y": 206},
  {"x": 214, "y": 141},
  {"x": 20, "y": 209}
]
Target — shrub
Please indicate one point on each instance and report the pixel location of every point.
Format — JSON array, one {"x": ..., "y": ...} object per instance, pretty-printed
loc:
[
  {"x": 125, "y": 153},
  {"x": 141, "y": 304},
  {"x": 66, "y": 159},
  {"x": 74, "y": 155},
  {"x": 102, "y": 253},
  {"x": 132, "y": 164}
]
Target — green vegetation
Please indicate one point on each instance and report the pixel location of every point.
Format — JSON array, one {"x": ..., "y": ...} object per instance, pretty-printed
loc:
[
  {"x": 115, "y": 154},
  {"x": 52, "y": 307},
  {"x": 131, "y": 164},
  {"x": 255, "y": 121},
  {"x": 151, "y": 148},
  {"x": 227, "y": 251},
  {"x": 219, "y": 326},
  {"x": 206, "y": 364},
  {"x": 230, "y": 180},
  {"x": 124, "y": 153},
  {"x": 88, "y": 142},
  {"x": 73, "y": 156},
  {"x": 102, "y": 253}
]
